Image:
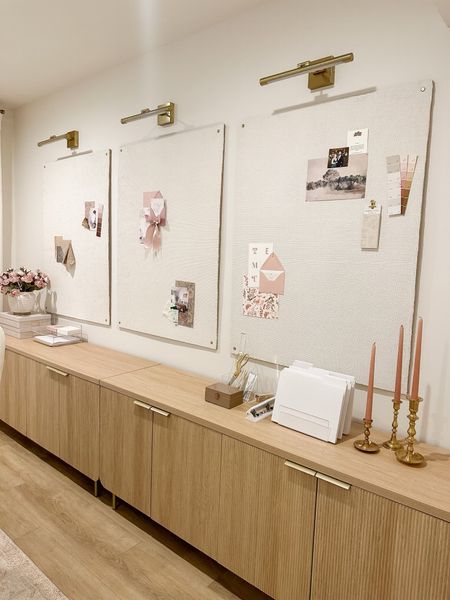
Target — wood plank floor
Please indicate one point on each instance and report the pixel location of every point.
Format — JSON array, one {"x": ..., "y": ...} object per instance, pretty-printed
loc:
[{"x": 90, "y": 551}]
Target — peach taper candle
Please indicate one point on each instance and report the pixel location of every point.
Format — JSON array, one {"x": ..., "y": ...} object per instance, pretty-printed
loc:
[
  {"x": 366, "y": 445},
  {"x": 393, "y": 443},
  {"x": 369, "y": 401},
  {"x": 416, "y": 373},
  {"x": 398, "y": 375}
]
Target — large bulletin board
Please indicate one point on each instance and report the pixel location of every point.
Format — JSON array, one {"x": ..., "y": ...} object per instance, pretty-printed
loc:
[
  {"x": 184, "y": 172},
  {"x": 338, "y": 298},
  {"x": 80, "y": 290}
]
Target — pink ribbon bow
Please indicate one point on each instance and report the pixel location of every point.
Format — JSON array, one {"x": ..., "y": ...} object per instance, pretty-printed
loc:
[{"x": 152, "y": 237}]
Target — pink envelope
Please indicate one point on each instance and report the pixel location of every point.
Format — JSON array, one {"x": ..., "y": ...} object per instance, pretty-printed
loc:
[{"x": 272, "y": 276}]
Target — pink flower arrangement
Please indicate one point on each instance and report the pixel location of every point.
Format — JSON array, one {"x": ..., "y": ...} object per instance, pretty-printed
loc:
[{"x": 16, "y": 281}]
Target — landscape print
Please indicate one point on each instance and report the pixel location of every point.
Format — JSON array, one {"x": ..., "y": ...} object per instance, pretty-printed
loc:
[{"x": 340, "y": 183}]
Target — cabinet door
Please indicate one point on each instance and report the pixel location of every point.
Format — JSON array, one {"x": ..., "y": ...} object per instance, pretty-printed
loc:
[
  {"x": 369, "y": 547},
  {"x": 186, "y": 480},
  {"x": 266, "y": 520},
  {"x": 79, "y": 425},
  {"x": 126, "y": 448},
  {"x": 42, "y": 395},
  {"x": 16, "y": 379}
]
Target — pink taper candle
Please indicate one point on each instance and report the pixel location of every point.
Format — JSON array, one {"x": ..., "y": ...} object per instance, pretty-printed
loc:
[
  {"x": 368, "y": 416},
  {"x": 416, "y": 373},
  {"x": 398, "y": 376}
]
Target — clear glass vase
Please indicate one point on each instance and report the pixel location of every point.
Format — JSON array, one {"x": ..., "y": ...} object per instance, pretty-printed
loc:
[{"x": 22, "y": 304}]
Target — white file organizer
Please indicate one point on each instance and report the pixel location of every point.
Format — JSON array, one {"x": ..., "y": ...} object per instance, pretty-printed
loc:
[{"x": 314, "y": 401}]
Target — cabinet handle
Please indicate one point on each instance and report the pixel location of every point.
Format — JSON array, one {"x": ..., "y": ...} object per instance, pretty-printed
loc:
[
  {"x": 58, "y": 372},
  {"x": 297, "y": 467},
  {"x": 160, "y": 412},
  {"x": 142, "y": 404},
  {"x": 341, "y": 484}
]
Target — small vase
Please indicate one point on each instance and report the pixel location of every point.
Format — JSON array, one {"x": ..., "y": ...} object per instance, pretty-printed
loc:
[{"x": 22, "y": 304}]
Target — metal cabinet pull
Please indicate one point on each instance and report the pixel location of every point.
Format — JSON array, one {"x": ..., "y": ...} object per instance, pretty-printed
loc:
[
  {"x": 142, "y": 404},
  {"x": 341, "y": 484},
  {"x": 160, "y": 412},
  {"x": 58, "y": 372},
  {"x": 297, "y": 467}
]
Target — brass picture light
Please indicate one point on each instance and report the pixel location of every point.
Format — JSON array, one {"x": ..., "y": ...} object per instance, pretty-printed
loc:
[
  {"x": 72, "y": 138},
  {"x": 165, "y": 112},
  {"x": 320, "y": 71}
]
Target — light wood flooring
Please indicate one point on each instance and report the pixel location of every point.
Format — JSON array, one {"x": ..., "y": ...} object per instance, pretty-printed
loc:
[{"x": 90, "y": 551}]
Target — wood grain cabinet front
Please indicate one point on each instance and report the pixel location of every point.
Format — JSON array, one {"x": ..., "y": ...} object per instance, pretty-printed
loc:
[
  {"x": 369, "y": 547},
  {"x": 126, "y": 448},
  {"x": 186, "y": 480},
  {"x": 79, "y": 422},
  {"x": 16, "y": 380},
  {"x": 266, "y": 520},
  {"x": 42, "y": 397}
]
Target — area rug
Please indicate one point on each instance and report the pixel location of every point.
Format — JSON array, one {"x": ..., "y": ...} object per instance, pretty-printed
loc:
[{"x": 20, "y": 578}]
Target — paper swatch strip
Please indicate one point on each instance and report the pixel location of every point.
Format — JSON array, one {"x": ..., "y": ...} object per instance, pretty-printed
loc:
[
  {"x": 394, "y": 185},
  {"x": 411, "y": 161},
  {"x": 400, "y": 173}
]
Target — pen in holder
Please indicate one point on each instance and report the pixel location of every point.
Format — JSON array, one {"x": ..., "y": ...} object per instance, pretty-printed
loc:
[
  {"x": 366, "y": 445},
  {"x": 393, "y": 443},
  {"x": 407, "y": 455}
]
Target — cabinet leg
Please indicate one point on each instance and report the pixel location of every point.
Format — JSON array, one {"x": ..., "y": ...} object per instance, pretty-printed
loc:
[
  {"x": 114, "y": 501},
  {"x": 97, "y": 488}
]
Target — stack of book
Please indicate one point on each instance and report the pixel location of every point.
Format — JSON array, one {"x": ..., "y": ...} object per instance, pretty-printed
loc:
[{"x": 22, "y": 326}]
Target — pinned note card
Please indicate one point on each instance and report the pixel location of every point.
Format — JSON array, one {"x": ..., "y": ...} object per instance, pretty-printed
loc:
[
  {"x": 257, "y": 255},
  {"x": 258, "y": 304},
  {"x": 371, "y": 222},
  {"x": 357, "y": 141},
  {"x": 64, "y": 252}
]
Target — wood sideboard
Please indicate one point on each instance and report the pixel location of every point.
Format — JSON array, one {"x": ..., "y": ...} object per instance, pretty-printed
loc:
[{"x": 295, "y": 516}]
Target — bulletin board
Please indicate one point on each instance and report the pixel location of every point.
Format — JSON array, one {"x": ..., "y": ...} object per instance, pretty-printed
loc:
[
  {"x": 338, "y": 298},
  {"x": 81, "y": 290},
  {"x": 184, "y": 171}
]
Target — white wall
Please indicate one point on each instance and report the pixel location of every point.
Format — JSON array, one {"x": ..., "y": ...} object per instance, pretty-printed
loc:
[
  {"x": 213, "y": 77},
  {"x": 7, "y": 140}
]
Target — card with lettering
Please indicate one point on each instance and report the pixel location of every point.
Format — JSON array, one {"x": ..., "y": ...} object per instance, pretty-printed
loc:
[
  {"x": 358, "y": 141},
  {"x": 258, "y": 253}
]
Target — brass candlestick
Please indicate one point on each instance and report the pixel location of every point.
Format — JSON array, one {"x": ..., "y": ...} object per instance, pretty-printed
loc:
[
  {"x": 393, "y": 443},
  {"x": 366, "y": 445},
  {"x": 407, "y": 455}
]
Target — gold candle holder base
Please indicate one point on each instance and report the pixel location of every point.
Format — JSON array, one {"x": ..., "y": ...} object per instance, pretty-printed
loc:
[
  {"x": 393, "y": 443},
  {"x": 407, "y": 455},
  {"x": 366, "y": 445}
]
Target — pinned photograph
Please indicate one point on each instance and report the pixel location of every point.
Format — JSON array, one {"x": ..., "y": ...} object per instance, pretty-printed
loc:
[
  {"x": 92, "y": 219},
  {"x": 88, "y": 206},
  {"x": 338, "y": 157},
  {"x": 340, "y": 183},
  {"x": 183, "y": 301}
]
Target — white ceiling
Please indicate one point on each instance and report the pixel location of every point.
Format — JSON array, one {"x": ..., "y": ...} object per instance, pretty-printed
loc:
[{"x": 48, "y": 44}]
